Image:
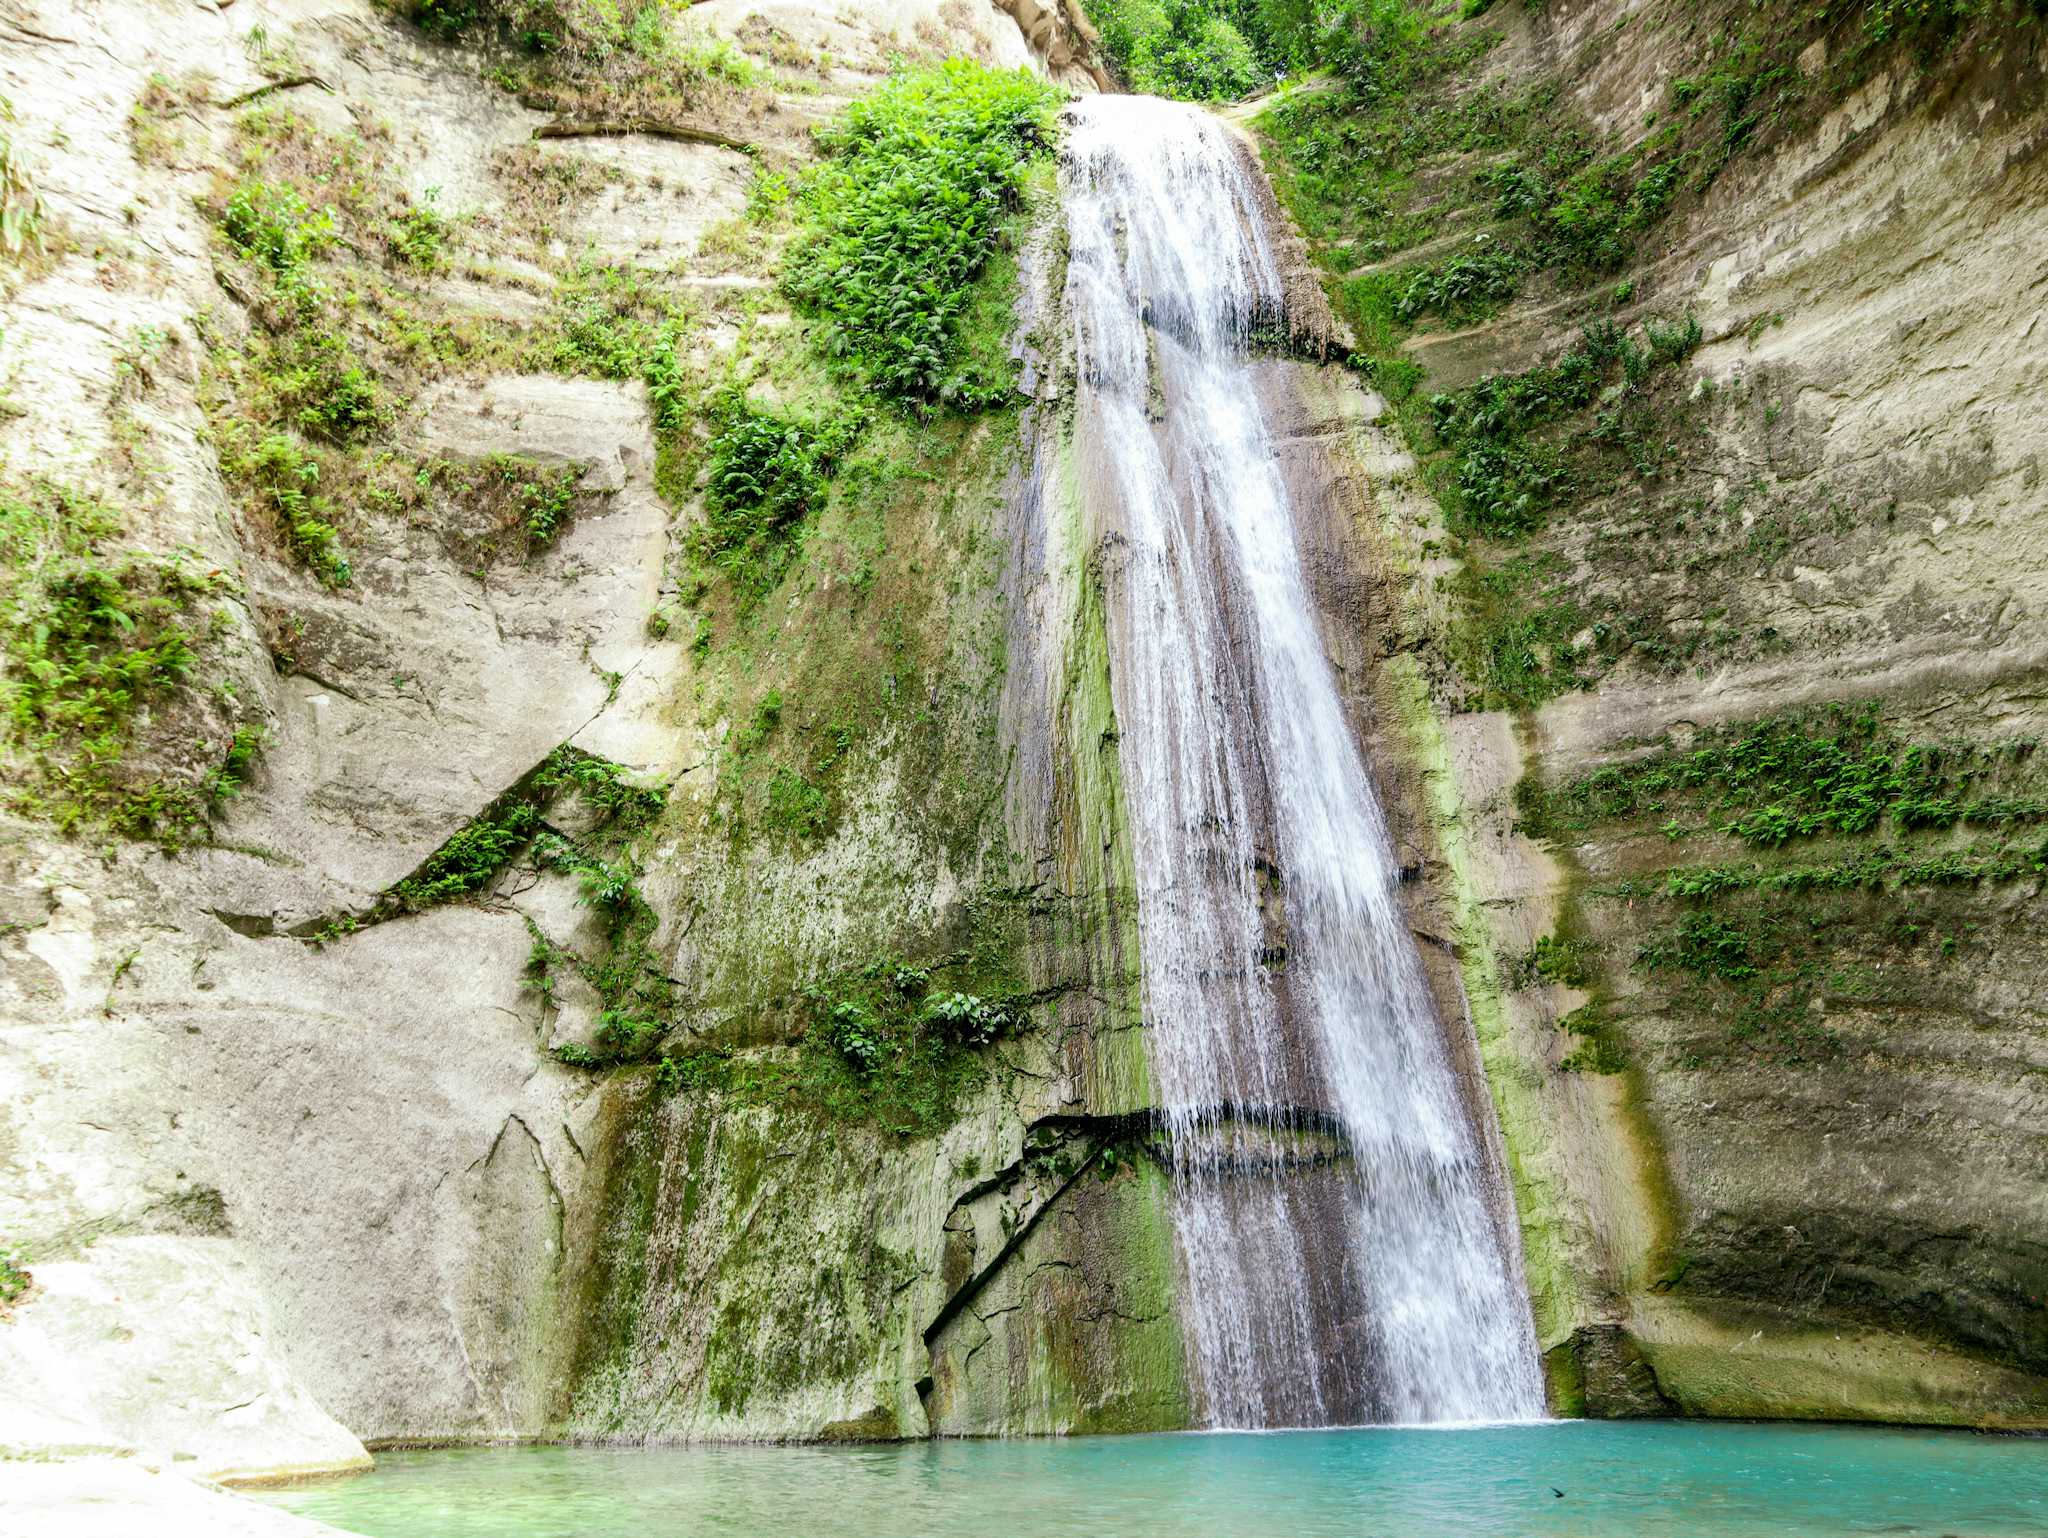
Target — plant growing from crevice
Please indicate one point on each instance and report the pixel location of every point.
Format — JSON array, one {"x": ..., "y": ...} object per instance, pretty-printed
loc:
[
  {"x": 285, "y": 475},
  {"x": 94, "y": 634},
  {"x": 766, "y": 473}
]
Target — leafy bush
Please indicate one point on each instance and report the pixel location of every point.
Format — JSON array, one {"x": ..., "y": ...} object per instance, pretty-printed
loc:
[
  {"x": 471, "y": 860},
  {"x": 620, "y": 804},
  {"x": 274, "y": 225},
  {"x": 238, "y": 765},
  {"x": 593, "y": 43},
  {"x": 1505, "y": 476},
  {"x": 766, "y": 473},
  {"x": 88, "y": 633},
  {"x": 903, "y": 217},
  {"x": 853, "y": 1032},
  {"x": 1469, "y": 282},
  {"x": 971, "y": 1020},
  {"x": 625, "y": 1035},
  {"x": 333, "y": 395},
  {"x": 1194, "y": 50},
  {"x": 549, "y": 500},
  {"x": 285, "y": 475},
  {"x": 610, "y": 885},
  {"x": 1806, "y": 773},
  {"x": 1207, "y": 50},
  {"x": 418, "y": 234}
]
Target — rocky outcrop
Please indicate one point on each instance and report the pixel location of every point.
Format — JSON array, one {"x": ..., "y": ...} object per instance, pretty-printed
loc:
[
  {"x": 266, "y": 1065},
  {"x": 1766, "y": 1086}
]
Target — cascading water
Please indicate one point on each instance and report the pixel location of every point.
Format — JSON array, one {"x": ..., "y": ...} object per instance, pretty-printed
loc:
[{"x": 1341, "y": 1257}]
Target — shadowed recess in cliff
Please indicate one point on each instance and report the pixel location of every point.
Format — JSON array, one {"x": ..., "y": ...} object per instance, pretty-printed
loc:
[{"x": 1278, "y": 970}]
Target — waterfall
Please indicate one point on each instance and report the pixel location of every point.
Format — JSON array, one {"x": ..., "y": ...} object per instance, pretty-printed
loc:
[{"x": 1342, "y": 1260}]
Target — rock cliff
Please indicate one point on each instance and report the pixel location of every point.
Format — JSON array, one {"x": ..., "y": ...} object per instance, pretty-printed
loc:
[
  {"x": 1703, "y": 341},
  {"x": 389, "y": 777},
  {"x": 442, "y": 898}
]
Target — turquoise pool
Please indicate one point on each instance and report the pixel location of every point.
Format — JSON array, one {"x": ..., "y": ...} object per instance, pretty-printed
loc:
[{"x": 1628, "y": 1480}]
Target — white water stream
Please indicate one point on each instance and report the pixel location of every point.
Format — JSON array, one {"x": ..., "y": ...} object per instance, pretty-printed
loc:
[{"x": 1341, "y": 1255}]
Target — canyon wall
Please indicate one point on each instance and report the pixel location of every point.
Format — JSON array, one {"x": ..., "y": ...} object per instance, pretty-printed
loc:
[
  {"x": 351, "y": 351},
  {"x": 1711, "y": 514}
]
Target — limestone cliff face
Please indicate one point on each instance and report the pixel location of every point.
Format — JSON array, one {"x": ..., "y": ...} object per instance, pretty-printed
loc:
[
  {"x": 1725, "y": 673},
  {"x": 283, "y": 1131}
]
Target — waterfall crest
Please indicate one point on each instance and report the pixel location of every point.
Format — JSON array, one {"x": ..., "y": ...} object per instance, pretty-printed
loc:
[{"x": 1341, "y": 1257}]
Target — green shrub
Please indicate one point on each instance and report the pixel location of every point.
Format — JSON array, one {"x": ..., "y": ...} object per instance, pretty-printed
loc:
[
  {"x": 238, "y": 765},
  {"x": 285, "y": 476},
  {"x": 418, "y": 234},
  {"x": 333, "y": 396},
  {"x": 1194, "y": 50},
  {"x": 851, "y": 1031},
  {"x": 1470, "y": 282},
  {"x": 1706, "y": 946},
  {"x": 549, "y": 500},
  {"x": 471, "y": 860},
  {"x": 766, "y": 473},
  {"x": 1506, "y": 474},
  {"x": 89, "y": 633},
  {"x": 622, "y": 806},
  {"x": 1841, "y": 770},
  {"x": 626, "y": 1036},
  {"x": 273, "y": 225},
  {"x": 903, "y": 217},
  {"x": 971, "y": 1020},
  {"x": 610, "y": 885}
]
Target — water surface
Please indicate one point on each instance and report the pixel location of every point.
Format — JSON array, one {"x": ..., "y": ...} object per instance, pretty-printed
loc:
[{"x": 1626, "y": 1480}]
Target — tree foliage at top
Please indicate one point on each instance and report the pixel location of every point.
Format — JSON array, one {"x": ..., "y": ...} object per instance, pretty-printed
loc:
[{"x": 1212, "y": 50}]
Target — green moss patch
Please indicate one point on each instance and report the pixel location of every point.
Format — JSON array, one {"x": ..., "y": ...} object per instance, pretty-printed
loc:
[
  {"x": 96, "y": 635},
  {"x": 1848, "y": 868}
]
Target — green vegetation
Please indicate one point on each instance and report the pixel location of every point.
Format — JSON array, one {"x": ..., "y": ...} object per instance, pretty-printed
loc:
[
  {"x": 1435, "y": 193},
  {"x": 630, "y": 56},
  {"x": 285, "y": 475},
  {"x": 93, "y": 634},
  {"x": 886, "y": 1043},
  {"x": 1502, "y": 472},
  {"x": 1195, "y": 50},
  {"x": 1600, "y": 1047},
  {"x": 501, "y": 504},
  {"x": 472, "y": 860},
  {"x": 1211, "y": 50},
  {"x": 15, "y": 1279},
  {"x": 840, "y": 559},
  {"x": 766, "y": 473},
  {"x": 275, "y": 226},
  {"x": 637, "y": 998},
  {"x": 1901, "y": 847},
  {"x": 903, "y": 218},
  {"x": 419, "y": 235},
  {"x": 1839, "y": 770}
]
